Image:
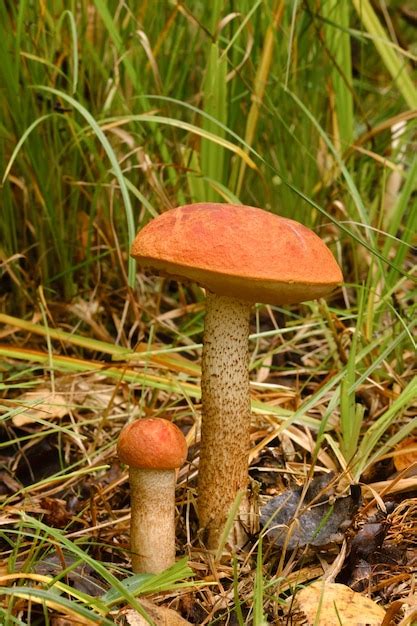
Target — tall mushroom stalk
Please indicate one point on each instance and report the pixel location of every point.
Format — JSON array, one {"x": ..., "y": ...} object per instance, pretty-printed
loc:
[
  {"x": 241, "y": 255},
  {"x": 225, "y": 428}
]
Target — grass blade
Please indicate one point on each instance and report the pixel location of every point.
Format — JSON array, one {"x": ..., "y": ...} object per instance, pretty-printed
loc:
[
  {"x": 396, "y": 66},
  {"x": 215, "y": 104},
  {"x": 337, "y": 16}
]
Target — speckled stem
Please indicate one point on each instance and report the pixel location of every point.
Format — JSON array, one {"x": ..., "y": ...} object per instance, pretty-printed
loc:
[
  {"x": 225, "y": 429},
  {"x": 152, "y": 522}
]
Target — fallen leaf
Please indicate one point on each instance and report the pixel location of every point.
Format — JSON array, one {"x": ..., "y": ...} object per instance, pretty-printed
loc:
[
  {"x": 328, "y": 604},
  {"x": 368, "y": 540},
  {"x": 405, "y": 454},
  {"x": 161, "y": 616},
  {"x": 315, "y": 520},
  {"x": 39, "y": 404},
  {"x": 79, "y": 575}
]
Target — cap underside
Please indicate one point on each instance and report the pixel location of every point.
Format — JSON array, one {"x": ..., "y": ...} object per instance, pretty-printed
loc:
[{"x": 267, "y": 291}]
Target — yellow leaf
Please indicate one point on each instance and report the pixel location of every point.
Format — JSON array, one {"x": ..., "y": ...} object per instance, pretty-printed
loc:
[
  {"x": 330, "y": 604},
  {"x": 40, "y": 404},
  {"x": 161, "y": 616}
]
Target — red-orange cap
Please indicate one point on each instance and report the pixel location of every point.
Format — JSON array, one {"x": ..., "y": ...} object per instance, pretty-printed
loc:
[
  {"x": 239, "y": 251},
  {"x": 152, "y": 443}
]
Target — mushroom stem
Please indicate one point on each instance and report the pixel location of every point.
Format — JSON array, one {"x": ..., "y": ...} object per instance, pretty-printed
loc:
[
  {"x": 152, "y": 521},
  {"x": 225, "y": 429}
]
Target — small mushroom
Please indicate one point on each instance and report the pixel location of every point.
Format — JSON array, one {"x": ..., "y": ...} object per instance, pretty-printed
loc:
[
  {"x": 153, "y": 448},
  {"x": 241, "y": 255}
]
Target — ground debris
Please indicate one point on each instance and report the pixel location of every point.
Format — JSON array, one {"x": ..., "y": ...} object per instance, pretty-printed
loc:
[{"x": 292, "y": 520}]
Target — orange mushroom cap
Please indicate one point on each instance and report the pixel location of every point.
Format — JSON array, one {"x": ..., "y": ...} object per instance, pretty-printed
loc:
[
  {"x": 239, "y": 251},
  {"x": 152, "y": 443}
]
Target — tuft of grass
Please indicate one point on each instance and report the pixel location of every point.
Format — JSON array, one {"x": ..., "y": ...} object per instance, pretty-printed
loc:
[{"x": 82, "y": 604}]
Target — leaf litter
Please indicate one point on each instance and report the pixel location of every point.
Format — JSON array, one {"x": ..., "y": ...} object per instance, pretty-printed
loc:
[{"x": 313, "y": 510}]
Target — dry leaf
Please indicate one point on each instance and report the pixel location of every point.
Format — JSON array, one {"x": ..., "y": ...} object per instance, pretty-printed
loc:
[
  {"x": 328, "y": 604},
  {"x": 40, "y": 404},
  {"x": 161, "y": 616},
  {"x": 293, "y": 523},
  {"x": 405, "y": 454}
]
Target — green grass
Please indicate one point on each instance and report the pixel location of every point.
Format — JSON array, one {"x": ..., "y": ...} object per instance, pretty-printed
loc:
[
  {"x": 114, "y": 112},
  {"x": 80, "y": 603}
]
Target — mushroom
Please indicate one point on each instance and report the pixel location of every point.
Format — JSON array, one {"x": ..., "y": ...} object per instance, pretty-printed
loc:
[
  {"x": 153, "y": 448},
  {"x": 241, "y": 255}
]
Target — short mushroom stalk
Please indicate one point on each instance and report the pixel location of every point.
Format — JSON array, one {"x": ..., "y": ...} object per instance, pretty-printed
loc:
[
  {"x": 225, "y": 429},
  {"x": 153, "y": 449},
  {"x": 152, "y": 528}
]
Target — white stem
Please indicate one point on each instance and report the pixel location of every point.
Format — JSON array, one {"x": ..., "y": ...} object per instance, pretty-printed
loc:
[
  {"x": 225, "y": 430},
  {"x": 152, "y": 522}
]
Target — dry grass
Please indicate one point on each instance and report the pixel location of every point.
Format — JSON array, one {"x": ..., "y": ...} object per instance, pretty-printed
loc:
[{"x": 60, "y": 465}]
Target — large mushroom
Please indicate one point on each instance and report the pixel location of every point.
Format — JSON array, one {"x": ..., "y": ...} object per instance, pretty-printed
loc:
[
  {"x": 241, "y": 255},
  {"x": 153, "y": 448}
]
